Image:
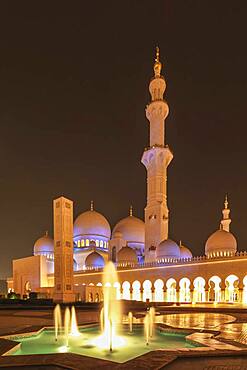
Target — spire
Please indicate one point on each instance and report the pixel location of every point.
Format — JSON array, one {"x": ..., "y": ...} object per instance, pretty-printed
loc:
[
  {"x": 157, "y": 64},
  {"x": 91, "y": 205},
  {"x": 225, "y": 222},
  {"x": 131, "y": 211},
  {"x": 226, "y": 202},
  {"x": 46, "y": 233},
  {"x": 180, "y": 243}
]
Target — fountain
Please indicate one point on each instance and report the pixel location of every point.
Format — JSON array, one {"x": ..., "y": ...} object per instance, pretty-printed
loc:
[
  {"x": 110, "y": 314},
  {"x": 147, "y": 327},
  {"x": 105, "y": 340},
  {"x": 57, "y": 320},
  {"x": 130, "y": 318},
  {"x": 67, "y": 324},
  {"x": 74, "y": 327}
]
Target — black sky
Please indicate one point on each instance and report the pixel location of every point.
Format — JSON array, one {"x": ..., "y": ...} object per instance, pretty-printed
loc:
[{"x": 73, "y": 87}]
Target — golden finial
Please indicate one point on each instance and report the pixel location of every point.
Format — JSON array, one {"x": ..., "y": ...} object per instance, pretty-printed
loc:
[
  {"x": 226, "y": 202},
  {"x": 131, "y": 211},
  {"x": 91, "y": 205},
  {"x": 180, "y": 243},
  {"x": 157, "y": 64},
  {"x": 46, "y": 233}
]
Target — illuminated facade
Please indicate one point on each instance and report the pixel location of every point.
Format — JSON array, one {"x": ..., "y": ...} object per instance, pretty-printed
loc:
[{"x": 150, "y": 264}]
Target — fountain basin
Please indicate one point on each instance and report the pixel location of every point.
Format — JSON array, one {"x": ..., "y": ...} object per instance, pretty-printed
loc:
[{"x": 89, "y": 343}]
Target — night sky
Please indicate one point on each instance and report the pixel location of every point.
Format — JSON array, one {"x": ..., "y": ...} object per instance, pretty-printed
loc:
[{"x": 74, "y": 81}]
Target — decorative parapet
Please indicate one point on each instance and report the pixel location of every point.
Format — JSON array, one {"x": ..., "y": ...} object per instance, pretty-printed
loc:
[{"x": 165, "y": 262}]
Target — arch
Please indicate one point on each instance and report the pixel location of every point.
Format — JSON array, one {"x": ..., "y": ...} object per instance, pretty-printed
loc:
[
  {"x": 147, "y": 290},
  {"x": 199, "y": 289},
  {"x": 184, "y": 290},
  {"x": 159, "y": 290},
  {"x": 114, "y": 254},
  {"x": 231, "y": 291},
  {"x": 171, "y": 291},
  {"x": 136, "y": 290},
  {"x": 214, "y": 293},
  {"x": 245, "y": 290},
  {"x": 126, "y": 290}
]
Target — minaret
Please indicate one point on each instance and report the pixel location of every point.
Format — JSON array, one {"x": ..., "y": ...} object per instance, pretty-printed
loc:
[
  {"x": 156, "y": 159},
  {"x": 225, "y": 222}
]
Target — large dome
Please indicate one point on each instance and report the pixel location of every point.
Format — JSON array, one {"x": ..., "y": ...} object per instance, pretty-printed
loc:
[
  {"x": 127, "y": 254},
  {"x": 168, "y": 249},
  {"x": 220, "y": 241},
  {"x": 92, "y": 223},
  {"x": 94, "y": 259},
  {"x": 44, "y": 245},
  {"x": 185, "y": 252},
  {"x": 132, "y": 229}
]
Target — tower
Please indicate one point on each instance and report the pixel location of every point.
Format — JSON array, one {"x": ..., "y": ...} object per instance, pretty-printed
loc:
[
  {"x": 156, "y": 159},
  {"x": 225, "y": 222},
  {"x": 63, "y": 250}
]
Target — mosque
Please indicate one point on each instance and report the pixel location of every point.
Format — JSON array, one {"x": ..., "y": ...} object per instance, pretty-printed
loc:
[{"x": 150, "y": 265}]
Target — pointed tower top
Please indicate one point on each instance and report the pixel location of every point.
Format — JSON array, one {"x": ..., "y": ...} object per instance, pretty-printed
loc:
[
  {"x": 131, "y": 211},
  {"x": 226, "y": 202},
  {"x": 91, "y": 205},
  {"x": 46, "y": 233},
  {"x": 180, "y": 243},
  {"x": 157, "y": 64}
]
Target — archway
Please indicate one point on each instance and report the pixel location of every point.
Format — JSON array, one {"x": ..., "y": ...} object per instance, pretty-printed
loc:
[
  {"x": 171, "y": 292},
  {"x": 184, "y": 290},
  {"x": 126, "y": 290},
  {"x": 199, "y": 290},
  {"x": 136, "y": 293},
  {"x": 214, "y": 293},
  {"x": 147, "y": 290},
  {"x": 159, "y": 290},
  {"x": 231, "y": 292}
]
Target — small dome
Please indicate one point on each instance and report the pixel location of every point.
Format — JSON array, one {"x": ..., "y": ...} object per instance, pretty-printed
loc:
[
  {"x": 221, "y": 241},
  {"x": 127, "y": 254},
  {"x": 132, "y": 229},
  {"x": 94, "y": 259},
  {"x": 168, "y": 249},
  {"x": 92, "y": 223},
  {"x": 185, "y": 252},
  {"x": 44, "y": 245}
]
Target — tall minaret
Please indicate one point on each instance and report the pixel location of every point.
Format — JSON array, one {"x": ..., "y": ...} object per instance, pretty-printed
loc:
[
  {"x": 156, "y": 159},
  {"x": 225, "y": 222}
]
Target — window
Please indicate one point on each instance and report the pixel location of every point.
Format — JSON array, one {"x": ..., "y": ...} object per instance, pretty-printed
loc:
[
  {"x": 101, "y": 244},
  {"x": 87, "y": 243},
  {"x": 78, "y": 243},
  {"x": 82, "y": 243},
  {"x": 97, "y": 243}
]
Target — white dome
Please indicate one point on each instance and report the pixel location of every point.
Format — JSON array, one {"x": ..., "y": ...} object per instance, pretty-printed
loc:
[
  {"x": 94, "y": 259},
  {"x": 44, "y": 245},
  {"x": 92, "y": 223},
  {"x": 168, "y": 249},
  {"x": 132, "y": 229},
  {"x": 185, "y": 252},
  {"x": 127, "y": 254},
  {"x": 221, "y": 241}
]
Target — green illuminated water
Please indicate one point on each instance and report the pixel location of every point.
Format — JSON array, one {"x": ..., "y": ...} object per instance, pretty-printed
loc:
[{"x": 134, "y": 344}]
